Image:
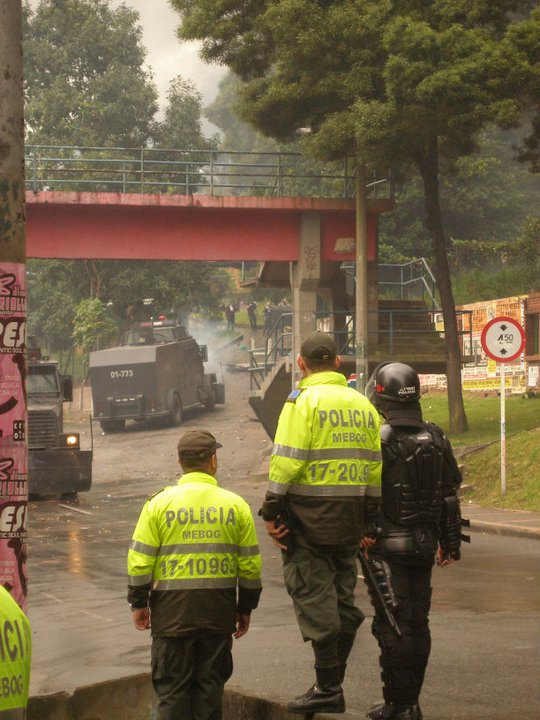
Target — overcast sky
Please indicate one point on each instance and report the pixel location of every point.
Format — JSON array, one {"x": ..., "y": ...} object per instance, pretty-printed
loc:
[{"x": 167, "y": 56}]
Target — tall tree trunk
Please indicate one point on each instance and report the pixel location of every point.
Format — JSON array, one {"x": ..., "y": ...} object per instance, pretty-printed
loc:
[
  {"x": 429, "y": 169},
  {"x": 13, "y": 447},
  {"x": 94, "y": 270}
]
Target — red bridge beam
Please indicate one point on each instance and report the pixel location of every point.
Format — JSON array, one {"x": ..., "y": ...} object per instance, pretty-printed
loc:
[{"x": 192, "y": 227}]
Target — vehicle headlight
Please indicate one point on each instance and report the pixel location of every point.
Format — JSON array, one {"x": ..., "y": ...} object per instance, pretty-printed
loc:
[{"x": 72, "y": 440}]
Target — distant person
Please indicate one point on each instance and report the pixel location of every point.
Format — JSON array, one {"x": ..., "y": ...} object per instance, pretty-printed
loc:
[
  {"x": 252, "y": 314},
  {"x": 130, "y": 315},
  {"x": 230, "y": 314},
  {"x": 267, "y": 314},
  {"x": 419, "y": 524},
  {"x": 194, "y": 577},
  {"x": 323, "y": 497},
  {"x": 15, "y": 658}
]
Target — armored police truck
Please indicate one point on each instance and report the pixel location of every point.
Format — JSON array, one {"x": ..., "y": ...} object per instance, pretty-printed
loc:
[
  {"x": 56, "y": 463},
  {"x": 157, "y": 373}
]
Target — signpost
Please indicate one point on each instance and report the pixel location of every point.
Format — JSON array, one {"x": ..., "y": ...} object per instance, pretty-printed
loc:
[{"x": 503, "y": 340}]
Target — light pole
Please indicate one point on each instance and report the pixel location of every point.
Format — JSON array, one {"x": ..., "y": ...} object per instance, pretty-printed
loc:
[{"x": 361, "y": 315}]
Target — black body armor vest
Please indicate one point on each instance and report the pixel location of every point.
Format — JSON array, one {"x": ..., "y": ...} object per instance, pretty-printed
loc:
[{"x": 412, "y": 486}]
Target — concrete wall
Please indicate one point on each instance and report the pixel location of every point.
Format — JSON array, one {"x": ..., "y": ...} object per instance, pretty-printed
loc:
[{"x": 132, "y": 698}]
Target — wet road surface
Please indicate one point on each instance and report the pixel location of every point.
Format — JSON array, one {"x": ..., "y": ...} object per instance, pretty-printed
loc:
[{"x": 486, "y": 609}]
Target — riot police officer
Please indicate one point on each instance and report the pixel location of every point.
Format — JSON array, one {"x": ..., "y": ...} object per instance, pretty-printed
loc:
[{"x": 419, "y": 523}]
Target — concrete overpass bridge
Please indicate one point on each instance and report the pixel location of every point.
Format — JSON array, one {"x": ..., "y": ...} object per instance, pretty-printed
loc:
[
  {"x": 296, "y": 217},
  {"x": 115, "y": 203}
]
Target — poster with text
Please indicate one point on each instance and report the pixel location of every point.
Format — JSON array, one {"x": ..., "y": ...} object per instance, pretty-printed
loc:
[{"x": 13, "y": 457}]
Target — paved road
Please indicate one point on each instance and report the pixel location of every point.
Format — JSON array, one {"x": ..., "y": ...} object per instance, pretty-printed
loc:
[{"x": 486, "y": 609}]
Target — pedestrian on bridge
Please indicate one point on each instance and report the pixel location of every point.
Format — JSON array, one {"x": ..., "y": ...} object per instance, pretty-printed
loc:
[
  {"x": 194, "y": 577},
  {"x": 323, "y": 496}
]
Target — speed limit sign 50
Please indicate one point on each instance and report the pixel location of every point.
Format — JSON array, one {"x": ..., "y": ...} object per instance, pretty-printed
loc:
[{"x": 503, "y": 339}]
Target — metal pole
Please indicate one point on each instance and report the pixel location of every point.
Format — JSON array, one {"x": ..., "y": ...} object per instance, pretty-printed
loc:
[
  {"x": 295, "y": 325},
  {"x": 361, "y": 324},
  {"x": 503, "y": 431}
]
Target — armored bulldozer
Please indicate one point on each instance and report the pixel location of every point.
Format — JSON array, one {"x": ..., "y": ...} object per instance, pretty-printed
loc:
[
  {"x": 157, "y": 373},
  {"x": 56, "y": 463}
]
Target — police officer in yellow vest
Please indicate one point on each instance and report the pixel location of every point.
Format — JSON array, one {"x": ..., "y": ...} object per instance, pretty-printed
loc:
[
  {"x": 194, "y": 577},
  {"x": 15, "y": 657},
  {"x": 323, "y": 498}
]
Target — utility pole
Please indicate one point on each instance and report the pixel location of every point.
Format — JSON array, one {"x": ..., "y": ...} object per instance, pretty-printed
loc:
[
  {"x": 361, "y": 315},
  {"x": 13, "y": 444}
]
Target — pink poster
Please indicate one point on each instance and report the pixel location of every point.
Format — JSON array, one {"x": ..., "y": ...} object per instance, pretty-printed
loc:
[{"x": 13, "y": 458}]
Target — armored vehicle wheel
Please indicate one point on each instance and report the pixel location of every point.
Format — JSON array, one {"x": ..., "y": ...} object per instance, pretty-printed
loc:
[
  {"x": 176, "y": 411},
  {"x": 72, "y": 498},
  {"x": 112, "y": 425}
]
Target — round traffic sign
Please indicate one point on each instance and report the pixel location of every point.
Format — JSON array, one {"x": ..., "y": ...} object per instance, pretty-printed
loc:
[{"x": 503, "y": 339}]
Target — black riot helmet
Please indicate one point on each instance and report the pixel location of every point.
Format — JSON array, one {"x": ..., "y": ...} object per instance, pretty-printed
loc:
[{"x": 394, "y": 384}]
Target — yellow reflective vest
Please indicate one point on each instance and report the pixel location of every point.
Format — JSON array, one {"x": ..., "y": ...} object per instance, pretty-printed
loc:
[
  {"x": 15, "y": 658},
  {"x": 325, "y": 467},
  {"x": 194, "y": 557}
]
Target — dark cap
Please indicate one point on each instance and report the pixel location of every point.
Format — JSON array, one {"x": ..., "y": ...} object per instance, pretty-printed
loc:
[
  {"x": 319, "y": 346},
  {"x": 197, "y": 444}
]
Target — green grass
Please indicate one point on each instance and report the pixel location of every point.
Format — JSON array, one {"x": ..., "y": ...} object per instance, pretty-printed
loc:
[
  {"x": 482, "y": 472},
  {"x": 484, "y": 416},
  {"x": 482, "y": 468}
]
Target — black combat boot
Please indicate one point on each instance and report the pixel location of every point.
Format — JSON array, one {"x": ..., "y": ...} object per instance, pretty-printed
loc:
[
  {"x": 326, "y": 696},
  {"x": 392, "y": 711}
]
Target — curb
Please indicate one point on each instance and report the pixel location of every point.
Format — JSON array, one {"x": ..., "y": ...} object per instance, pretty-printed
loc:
[
  {"x": 486, "y": 526},
  {"x": 132, "y": 698}
]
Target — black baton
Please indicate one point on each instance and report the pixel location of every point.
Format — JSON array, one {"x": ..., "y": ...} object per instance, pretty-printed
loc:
[{"x": 376, "y": 593}]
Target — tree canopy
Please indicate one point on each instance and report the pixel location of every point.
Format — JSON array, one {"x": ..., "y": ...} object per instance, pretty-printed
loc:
[
  {"x": 486, "y": 198},
  {"x": 58, "y": 291},
  {"x": 181, "y": 126},
  {"x": 92, "y": 325},
  {"x": 236, "y": 134},
  {"x": 392, "y": 83},
  {"x": 86, "y": 83},
  {"x": 357, "y": 72}
]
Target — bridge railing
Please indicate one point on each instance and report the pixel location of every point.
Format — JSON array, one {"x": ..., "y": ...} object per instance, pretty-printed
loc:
[
  {"x": 190, "y": 172},
  {"x": 408, "y": 281},
  {"x": 412, "y": 280},
  {"x": 387, "y": 338}
]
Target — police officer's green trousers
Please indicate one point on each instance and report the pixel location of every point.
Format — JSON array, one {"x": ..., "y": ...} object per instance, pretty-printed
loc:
[
  {"x": 321, "y": 583},
  {"x": 189, "y": 674}
]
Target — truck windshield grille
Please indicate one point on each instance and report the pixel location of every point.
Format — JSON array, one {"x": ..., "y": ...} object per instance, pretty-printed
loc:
[{"x": 42, "y": 429}]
